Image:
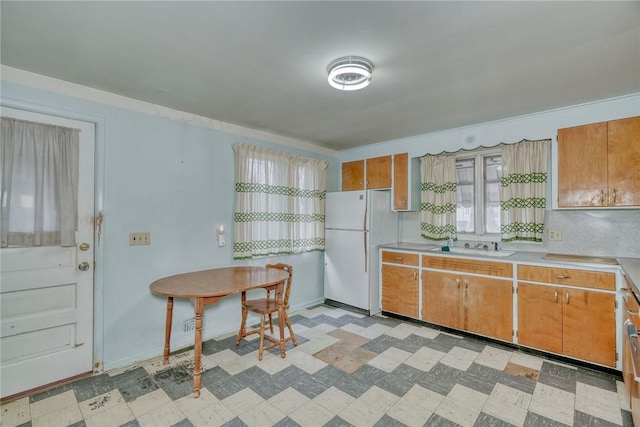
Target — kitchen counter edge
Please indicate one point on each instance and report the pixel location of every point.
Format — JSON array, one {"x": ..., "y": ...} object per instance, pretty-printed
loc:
[{"x": 630, "y": 267}]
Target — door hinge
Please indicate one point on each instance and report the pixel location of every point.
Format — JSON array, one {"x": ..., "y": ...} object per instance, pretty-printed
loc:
[
  {"x": 616, "y": 304},
  {"x": 616, "y": 356}
]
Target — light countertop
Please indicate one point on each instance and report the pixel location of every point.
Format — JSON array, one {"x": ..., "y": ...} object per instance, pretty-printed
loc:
[{"x": 630, "y": 266}]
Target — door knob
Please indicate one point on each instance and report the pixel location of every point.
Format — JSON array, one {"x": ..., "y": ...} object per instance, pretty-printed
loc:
[
  {"x": 83, "y": 246},
  {"x": 83, "y": 266}
]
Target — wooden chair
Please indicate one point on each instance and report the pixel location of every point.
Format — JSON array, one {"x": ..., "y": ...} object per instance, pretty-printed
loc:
[{"x": 267, "y": 307}]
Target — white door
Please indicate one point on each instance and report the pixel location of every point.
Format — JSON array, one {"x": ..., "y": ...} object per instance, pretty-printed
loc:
[{"x": 46, "y": 301}]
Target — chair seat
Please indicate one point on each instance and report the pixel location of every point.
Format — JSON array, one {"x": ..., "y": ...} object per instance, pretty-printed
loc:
[{"x": 263, "y": 305}]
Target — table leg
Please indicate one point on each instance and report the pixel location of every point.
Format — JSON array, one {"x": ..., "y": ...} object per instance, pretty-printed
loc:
[
  {"x": 197, "y": 348},
  {"x": 283, "y": 352},
  {"x": 167, "y": 330}
]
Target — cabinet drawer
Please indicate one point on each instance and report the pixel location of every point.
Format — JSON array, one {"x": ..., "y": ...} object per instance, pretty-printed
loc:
[
  {"x": 489, "y": 268},
  {"x": 568, "y": 276},
  {"x": 400, "y": 258}
]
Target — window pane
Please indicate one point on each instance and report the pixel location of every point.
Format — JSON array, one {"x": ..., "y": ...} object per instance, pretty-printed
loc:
[
  {"x": 465, "y": 195},
  {"x": 492, "y": 175}
]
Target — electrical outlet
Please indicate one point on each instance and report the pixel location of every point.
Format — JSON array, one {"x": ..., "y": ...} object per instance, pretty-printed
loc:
[
  {"x": 555, "y": 235},
  {"x": 139, "y": 238}
]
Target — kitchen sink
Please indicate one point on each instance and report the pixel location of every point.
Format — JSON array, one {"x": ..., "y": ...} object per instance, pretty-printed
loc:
[{"x": 470, "y": 251}]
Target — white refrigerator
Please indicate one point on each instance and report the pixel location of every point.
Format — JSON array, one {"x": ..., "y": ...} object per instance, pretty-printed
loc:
[{"x": 356, "y": 223}]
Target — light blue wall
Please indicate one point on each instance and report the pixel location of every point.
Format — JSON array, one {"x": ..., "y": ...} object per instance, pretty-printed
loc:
[{"x": 176, "y": 181}]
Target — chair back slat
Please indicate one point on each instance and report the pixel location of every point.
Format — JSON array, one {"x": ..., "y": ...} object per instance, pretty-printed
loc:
[{"x": 287, "y": 285}]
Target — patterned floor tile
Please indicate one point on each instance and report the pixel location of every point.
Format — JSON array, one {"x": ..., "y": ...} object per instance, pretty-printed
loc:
[
  {"x": 289, "y": 401},
  {"x": 348, "y": 369},
  {"x": 553, "y": 403},
  {"x": 599, "y": 402},
  {"x": 312, "y": 414},
  {"x": 558, "y": 376}
]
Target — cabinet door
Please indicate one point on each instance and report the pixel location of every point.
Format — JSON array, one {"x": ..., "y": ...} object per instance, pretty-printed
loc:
[
  {"x": 400, "y": 290},
  {"x": 582, "y": 169},
  {"x": 441, "y": 298},
  {"x": 624, "y": 158},
  {"x": 488, "y": 307},
  {"x": 378, "y": 172},
  {"x": 588, "y": 325},
  {"x": 353, "y": 175},
  {"x": 401, "y": 181},
  {"x": 540, "y": 317},
  {"x": 630, "y": 312}
]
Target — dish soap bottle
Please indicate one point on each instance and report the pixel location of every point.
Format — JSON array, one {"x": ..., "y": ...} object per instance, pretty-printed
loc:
[{"x": 450, "y": 242}]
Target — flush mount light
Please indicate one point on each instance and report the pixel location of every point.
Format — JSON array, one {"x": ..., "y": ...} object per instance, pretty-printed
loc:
[{"x": 350, "y": 72}]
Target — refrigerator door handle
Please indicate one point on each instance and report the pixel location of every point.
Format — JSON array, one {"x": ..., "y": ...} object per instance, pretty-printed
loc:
[
  {"x": 366, "y": 210},
  {"x": 366, "y": 254}
]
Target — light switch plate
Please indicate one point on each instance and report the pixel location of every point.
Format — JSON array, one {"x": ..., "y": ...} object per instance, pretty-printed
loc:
[
  {"x": 555, "y": 235},
  {"x": 139, "y": 238}
]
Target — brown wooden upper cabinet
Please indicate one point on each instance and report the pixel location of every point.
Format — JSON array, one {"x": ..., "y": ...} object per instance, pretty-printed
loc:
[
  {"x": 406, "y": 183},
  {"x": 369, "y": 174},
  {"x": 598, "y": 164},
  {"x": 378, "y": 172},
  {"x": 353, "y": 175}
]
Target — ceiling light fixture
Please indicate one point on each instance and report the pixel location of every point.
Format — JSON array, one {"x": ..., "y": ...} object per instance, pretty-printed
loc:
[{"x": 350, "y": 73}]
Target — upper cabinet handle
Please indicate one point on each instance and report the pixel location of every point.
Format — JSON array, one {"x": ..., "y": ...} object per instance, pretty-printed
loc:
[
  {"x": 614, "y": 197},
  {"x": 601, "y": 196}
]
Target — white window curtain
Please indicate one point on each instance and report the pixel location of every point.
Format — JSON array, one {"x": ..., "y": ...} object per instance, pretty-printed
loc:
[
  {"x": 438, "y": 197},
  {"x": 523, "y": 193},
  {"x": 39, "y": 184},
  {"x": 280, "y": 202}
]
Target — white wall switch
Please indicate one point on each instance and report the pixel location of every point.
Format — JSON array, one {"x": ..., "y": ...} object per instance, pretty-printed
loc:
[
  {"x": 555, "y": 235},
  {"x": 220, "y": 233},
  {"x": 139, "y": 238}
]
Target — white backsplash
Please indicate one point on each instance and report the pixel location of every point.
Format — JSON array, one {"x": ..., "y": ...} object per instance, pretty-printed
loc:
[{"x": 586, "y": 232}]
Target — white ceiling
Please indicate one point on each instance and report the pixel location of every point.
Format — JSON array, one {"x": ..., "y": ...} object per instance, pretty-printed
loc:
[{"x": 262, "y": 65}]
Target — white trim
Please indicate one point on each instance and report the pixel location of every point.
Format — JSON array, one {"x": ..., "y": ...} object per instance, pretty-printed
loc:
[{"x": 15, "y": 75}]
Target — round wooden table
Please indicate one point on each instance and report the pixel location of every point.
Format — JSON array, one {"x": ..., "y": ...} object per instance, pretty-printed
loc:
[{"x": 210, "y": 286}]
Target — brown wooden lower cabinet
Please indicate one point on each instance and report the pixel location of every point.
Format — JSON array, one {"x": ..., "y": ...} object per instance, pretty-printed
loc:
[
  {"x": 400, "y": 290},
  {"x": 441, "y": 298},
  {"x": 482, "y": 305},
  {"x": 574, "y": 322}
]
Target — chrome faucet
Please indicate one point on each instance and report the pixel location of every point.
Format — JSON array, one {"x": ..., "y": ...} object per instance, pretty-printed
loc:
[{"x": 495, "y": 246}]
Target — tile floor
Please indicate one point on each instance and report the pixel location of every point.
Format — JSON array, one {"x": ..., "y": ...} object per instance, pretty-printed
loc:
[{"x": 348, "y": 369}]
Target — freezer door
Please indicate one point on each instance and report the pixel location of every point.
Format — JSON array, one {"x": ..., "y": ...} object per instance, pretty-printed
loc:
[
  {"x": 345, "y": 210},
  {"x": 346, "y": 279}
]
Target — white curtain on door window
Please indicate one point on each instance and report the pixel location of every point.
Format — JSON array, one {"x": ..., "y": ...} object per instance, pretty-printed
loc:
[
  {"x": 438, "y": 197},
  {"x": 523, "y": 195},
  {"x": 39, "y": 184},
  {"x": 279, "y": 202}
]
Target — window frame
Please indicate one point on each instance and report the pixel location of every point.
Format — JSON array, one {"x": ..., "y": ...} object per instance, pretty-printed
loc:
[{"x": 478, "y": 156}]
